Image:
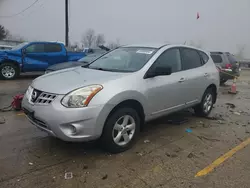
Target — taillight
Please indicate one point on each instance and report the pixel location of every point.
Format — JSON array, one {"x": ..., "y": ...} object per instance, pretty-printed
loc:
[{"x": 228, "y": 66}]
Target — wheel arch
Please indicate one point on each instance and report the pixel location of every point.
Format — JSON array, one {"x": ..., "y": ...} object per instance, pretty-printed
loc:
[
  {"x": 11, "y": 62},
  {"x": 213, "y": 87},
  {"x": 132, "y": 103}
]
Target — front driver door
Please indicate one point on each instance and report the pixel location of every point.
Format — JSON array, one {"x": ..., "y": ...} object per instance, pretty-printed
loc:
[
  {"x": 35, "y": 58},
  {"x": 165, "y": 93}
]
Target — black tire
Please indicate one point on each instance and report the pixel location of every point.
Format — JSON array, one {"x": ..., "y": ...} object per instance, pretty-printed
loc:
[
  {"x": 107, "y": 142},
  {"x": 13, "y": 66},
  {"x": 199, "y": 109}
]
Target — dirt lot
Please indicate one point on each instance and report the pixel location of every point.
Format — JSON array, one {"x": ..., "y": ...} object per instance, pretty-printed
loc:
[{"x": 165, "y": 155}]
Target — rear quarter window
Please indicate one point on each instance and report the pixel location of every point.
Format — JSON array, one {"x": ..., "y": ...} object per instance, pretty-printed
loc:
[{"x": 204, "y": 57}]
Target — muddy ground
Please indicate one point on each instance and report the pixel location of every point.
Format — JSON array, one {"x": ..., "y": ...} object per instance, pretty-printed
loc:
[{"x": 165, "y": 155}]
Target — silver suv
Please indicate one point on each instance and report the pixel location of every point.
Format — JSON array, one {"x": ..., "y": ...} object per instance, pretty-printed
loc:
[{"x": 111, "y": 98}]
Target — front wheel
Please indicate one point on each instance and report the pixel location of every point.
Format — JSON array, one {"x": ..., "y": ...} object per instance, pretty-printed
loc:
[
  {"x": 8, "y": 71},
  {"x": 205, "y": 107},
  {"x": 120, "y": 130}
]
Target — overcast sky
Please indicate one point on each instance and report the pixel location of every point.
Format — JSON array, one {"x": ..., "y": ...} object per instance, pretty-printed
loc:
[{"x": 223, "y": 24}]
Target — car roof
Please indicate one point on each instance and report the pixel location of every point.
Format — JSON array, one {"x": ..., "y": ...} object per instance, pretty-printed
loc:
[
  {"x": 220, "y": 52},
  {"x": 160, "y": 45},
  {"x": 50, "y": 42},
  {"x": 149, "y": 45}
]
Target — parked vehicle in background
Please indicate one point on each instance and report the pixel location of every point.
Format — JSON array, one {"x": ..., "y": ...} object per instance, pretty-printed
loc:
[
  {"x": 112, "y": 97},
  {"x": 34, "y": 56},
  {"x": 5, "y": 47},
  {"x": 90, "y": 56},
  {"x": 228, "y": 65}
]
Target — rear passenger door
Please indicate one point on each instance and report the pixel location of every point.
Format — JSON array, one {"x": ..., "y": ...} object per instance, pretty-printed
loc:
[
  {"x": 55, "y": 53},
  {"x": 194, "y": 75}
]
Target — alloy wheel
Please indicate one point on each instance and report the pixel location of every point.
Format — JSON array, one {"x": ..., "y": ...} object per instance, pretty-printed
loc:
[
  {"x": 8, "y": 71},
  {"x": 124, "y": 130}
]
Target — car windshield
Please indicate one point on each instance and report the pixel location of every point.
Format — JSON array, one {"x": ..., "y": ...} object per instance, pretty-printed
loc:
[
  {"x": 20, "y": 46},
  {"x": 124, "y": 59}
]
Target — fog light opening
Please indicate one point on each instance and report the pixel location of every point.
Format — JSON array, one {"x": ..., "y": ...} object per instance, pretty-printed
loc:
[{"x": 73, "y": 129}]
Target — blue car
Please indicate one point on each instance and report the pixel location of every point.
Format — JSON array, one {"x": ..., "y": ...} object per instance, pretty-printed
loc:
[
  {"x": 34, "y": 56},
  {"x": 91, "y": 55}
]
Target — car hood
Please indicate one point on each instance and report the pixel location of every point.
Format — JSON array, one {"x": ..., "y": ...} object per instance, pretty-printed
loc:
[
  {"x": 3, "y": 52},
  {"x": 65, "y": 65},
  {"x": 64, "y": 81}
]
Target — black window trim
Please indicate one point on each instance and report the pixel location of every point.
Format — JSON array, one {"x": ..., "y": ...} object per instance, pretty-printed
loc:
[
  {"x": 35, "y": 44},
  {"x": 53, "y": 44},
  {"x": 145, "y": 75},
  {"x": 181, "y": 49}
]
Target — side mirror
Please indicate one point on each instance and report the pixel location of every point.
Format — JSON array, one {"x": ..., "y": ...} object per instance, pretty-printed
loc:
[
  {"x": 23, "y": 51},
  {"x": 159, "y": 71}
]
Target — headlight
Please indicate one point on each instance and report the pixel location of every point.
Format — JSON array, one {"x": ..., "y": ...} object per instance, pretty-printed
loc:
[
  {"x": 28, "y": 92},
  {"x": 81, "y": 97}
]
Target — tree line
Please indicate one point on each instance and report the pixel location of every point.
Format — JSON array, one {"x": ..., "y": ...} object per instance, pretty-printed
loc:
[{"x": 91, "y": 39}]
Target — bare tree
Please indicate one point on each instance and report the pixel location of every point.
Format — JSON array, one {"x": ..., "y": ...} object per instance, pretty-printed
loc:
[
  {"x": 88, "y": 38},
  {"x": 14, "y": 37},
  {"x": 113, "y": 45},
  {"x": 195, "y": 44},
  {"x": 3, "y": 32},
  {"x": 100, "y": 40},
  {"x": 241, "y": 51}
]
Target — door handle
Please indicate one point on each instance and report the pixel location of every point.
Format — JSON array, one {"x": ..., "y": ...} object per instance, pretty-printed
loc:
[
  {"x": 181, "y": 80},
  {"x": 206, "y": 75}
]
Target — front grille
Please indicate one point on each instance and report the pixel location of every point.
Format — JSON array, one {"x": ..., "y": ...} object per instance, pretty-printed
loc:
[
  {"x": 45, "y": 98},
  {"x": 40, "y": 97}
]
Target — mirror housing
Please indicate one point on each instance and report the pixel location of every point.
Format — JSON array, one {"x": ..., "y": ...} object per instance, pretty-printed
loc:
[
  {"x": 23, "y": 51},
  {"x": 159, "y": 71}
]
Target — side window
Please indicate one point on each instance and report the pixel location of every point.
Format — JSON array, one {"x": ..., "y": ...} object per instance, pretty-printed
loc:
[
  {"x": 216, "y": 58},
  {"x": 35, "y": 48},
  {"x": 190, "y": 59},
  {"x": 53, "y": 48},
  {"x": 170, "y": 58},
  {"x": 204, "y": 57}
]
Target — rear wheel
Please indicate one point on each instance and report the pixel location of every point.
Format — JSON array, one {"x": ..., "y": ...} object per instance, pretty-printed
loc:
[
  {"x": 120, "y": 130},
  {"x": 205, "y": 107},
  {"x": 8, "y": 71}
]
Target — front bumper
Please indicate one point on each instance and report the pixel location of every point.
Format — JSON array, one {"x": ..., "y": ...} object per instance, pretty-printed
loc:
[{"x": 68, "y": 124}]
